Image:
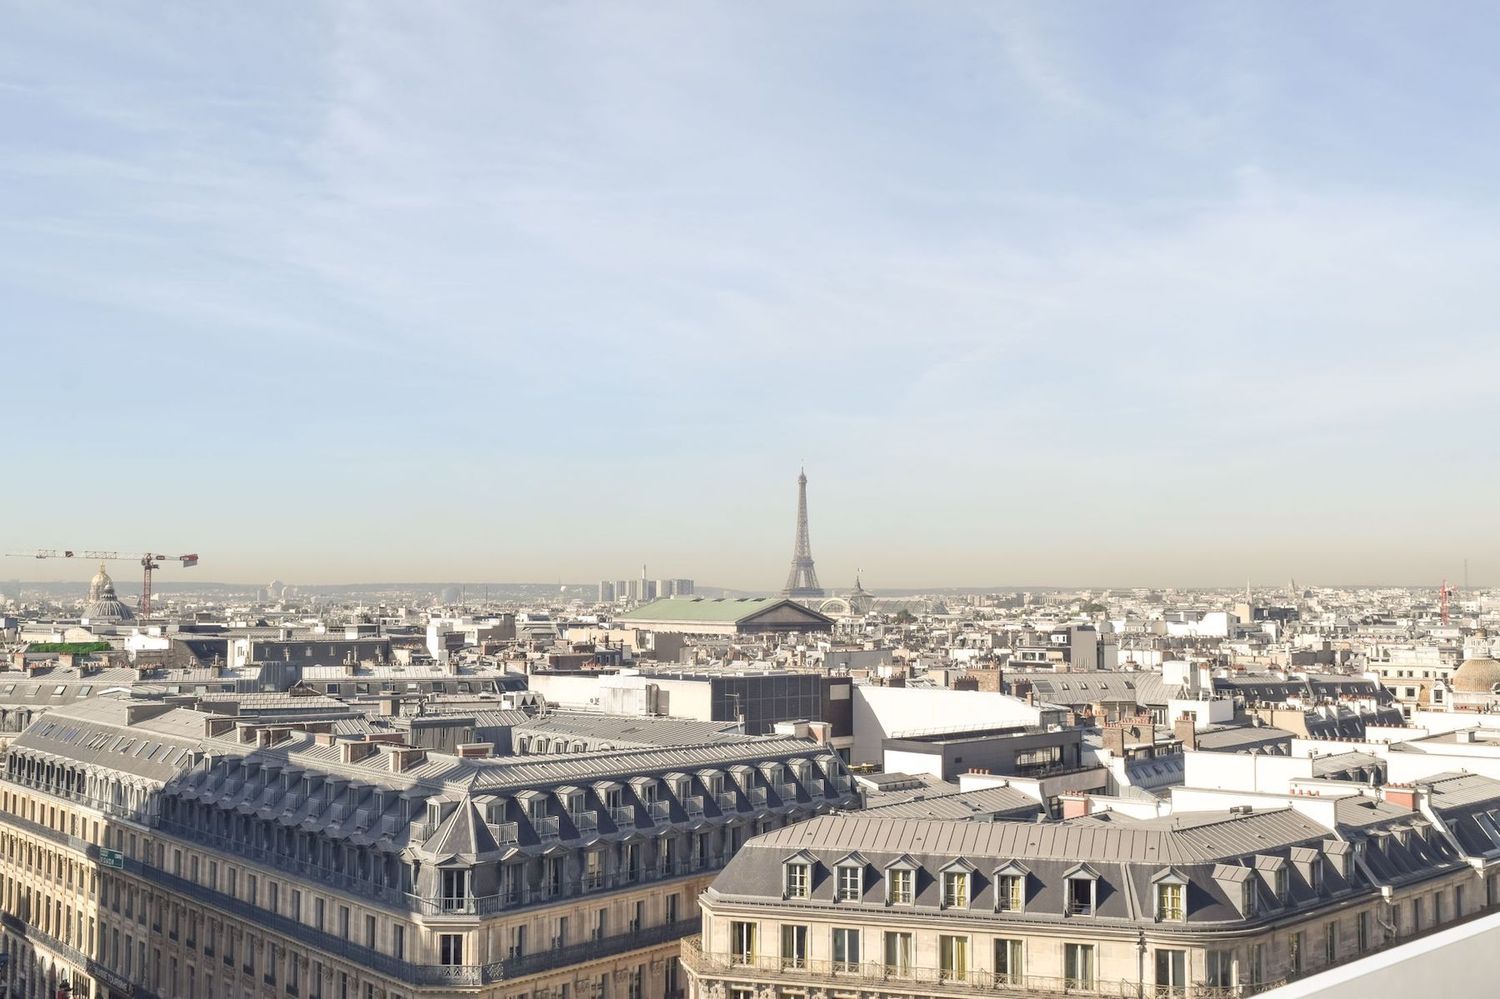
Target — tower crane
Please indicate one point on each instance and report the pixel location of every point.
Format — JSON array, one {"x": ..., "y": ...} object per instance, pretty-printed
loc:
[
  {"x": 1443, "y": 594},
  {"x": 148, "y": 562}
]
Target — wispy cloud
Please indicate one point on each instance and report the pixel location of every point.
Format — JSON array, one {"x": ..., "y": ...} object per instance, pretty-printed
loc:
[{"x": 921, "y": 249}]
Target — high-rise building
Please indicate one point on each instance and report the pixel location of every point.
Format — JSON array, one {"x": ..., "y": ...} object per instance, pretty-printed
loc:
[
  {"x": 802, "y": 581},
  {"x": 606, "y": 592}
]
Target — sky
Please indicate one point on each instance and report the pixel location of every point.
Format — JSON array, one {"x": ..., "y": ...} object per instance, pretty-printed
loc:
[{"x": 1041, "y": 294}]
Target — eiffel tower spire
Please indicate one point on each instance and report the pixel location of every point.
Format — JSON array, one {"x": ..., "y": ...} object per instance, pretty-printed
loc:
[{"x": 802, "y": 581}]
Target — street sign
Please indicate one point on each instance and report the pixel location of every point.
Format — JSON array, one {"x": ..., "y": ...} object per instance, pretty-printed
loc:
[{"x": 112, "y": 858}]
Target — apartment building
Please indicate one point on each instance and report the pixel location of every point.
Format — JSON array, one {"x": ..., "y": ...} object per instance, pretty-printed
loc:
[
  {"x": 1210, "y": 904},
  {"x": 148, "y": 850}
]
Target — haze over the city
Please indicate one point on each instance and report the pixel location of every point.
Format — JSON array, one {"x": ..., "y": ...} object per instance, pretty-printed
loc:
[{"x": 1043, "y": 295}]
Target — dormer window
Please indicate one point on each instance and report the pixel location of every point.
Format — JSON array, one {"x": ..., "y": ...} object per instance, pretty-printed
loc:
[
  {"x": 900, "y": 885},
  {"x": 1279, "y": 884},
  {"x": 1170, "y": 889},
  {"x": 1171, "y": 901},
  {"x": 797, "y": 879},
  {"x": 1010, "y": 887},
  {"x": 955, "y": 889},
  {"x": 1081, "y": 893},
  {"x": 851, "y": 883}
]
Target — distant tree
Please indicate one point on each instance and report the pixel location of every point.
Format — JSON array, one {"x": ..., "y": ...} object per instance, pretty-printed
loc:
[
  {"x": 1093, "y": 608},
  {"x": 904, "y": 616}
]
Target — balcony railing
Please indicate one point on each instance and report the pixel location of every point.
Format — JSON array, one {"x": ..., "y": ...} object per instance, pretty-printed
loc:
[
  {"x": 853, "y": 975},
  {"x": 728, "y": 801},
  {"x": 660, "y": 811},
  {"x": 623, "y": 817},
  {"x": 548, "y": 828},
  {"x": 587, "y": 823}
]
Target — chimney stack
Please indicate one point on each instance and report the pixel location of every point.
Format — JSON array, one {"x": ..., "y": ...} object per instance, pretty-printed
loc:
[
  {"x": 1400, "y": 795},
  {"x": 1186, "y": 730}
]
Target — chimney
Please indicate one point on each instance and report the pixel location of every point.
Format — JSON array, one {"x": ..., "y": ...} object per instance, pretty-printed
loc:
[
  {"x": 1400, "y": 795},
  {"x": 1114, "y": 740},
  {"x": 216, "y": 726},
  {"x": 405, "y": 757},
  {"x": 1076, "y": 806},
  {"x": 475, "y": 750},
  {"x": 1186, "y": 730},
  {"x": 354, "y": 750},
  {"x": 244, "y": 732}
]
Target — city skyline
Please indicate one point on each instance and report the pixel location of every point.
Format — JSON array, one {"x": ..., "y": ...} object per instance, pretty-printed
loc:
[{"x": 1143, "y": 297}]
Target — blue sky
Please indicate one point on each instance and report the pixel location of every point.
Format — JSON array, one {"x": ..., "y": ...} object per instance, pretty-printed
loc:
[{"x": 1041, "y": 293}]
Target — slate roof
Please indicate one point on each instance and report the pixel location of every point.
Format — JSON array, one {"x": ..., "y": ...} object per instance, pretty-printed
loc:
[
  {"x": 1200, "y": 839},
  {"x": 955, "y": 804},
  {"x": 631, "y": 730}
]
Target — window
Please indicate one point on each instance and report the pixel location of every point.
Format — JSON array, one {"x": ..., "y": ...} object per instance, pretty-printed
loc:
[
  {"x": 1257, "y": 963},
  {"x": 1078, "y": 966},
  {"x": 845, "y": 949},
  {"x": 1278, "y": 883},
  {"x": 1170, "y": 901},
  {"x": 1080, "y": 896},
  {"x": 798, "y": 880},
  {"x": 899, "y": 948},
  {"x": 1330, "y": 942},
  {"x": 793, "y": 946},
  {"x": 851, "y": 883},
  {"x": 1010, "y": 892},
  {"x": 451, "y": 949},
  {"x": 1171, "y": 972},
  {"x": 1219, "y": 968},
  {"x": 455, "y": 889},
  {"x": 1362, "y": 932},
  {"x": 1294, "y": 952},
  {"x": 955, "y": 889},
  {"x": 899, "y": 885},
  {"x": 742, "y": 942},
  {"x": 1437, "y": 908},
  {"x": 1010, "y": 965},
  {"x": 953, "y": 958}
]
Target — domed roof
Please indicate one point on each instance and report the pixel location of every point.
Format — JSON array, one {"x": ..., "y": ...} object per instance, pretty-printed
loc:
[
  {"x": 1477, "y": 676},
  {"x": 102, "y": 604}
]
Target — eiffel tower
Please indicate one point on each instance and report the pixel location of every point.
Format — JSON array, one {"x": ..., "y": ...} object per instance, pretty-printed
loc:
[{"x": 802, "y": 581}]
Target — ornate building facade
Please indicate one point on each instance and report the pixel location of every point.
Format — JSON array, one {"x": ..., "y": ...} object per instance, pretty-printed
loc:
[
  {"x": 149, "y": 851},
  {"x": 1208, "y": 904}
]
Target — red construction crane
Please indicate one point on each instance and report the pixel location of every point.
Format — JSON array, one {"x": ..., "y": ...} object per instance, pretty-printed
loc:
[
  {"x": 148, "y": 562},
  {"x": 1443, "y": 595}
]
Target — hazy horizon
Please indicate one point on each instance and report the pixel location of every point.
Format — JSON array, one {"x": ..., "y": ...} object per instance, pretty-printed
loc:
[{"x": 1152, "y": 294}]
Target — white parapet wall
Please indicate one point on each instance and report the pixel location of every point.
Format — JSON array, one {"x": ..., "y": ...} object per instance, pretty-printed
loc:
[
  {"x": 883, "y": 712},
  {"x": 1458, "y": 962}
]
